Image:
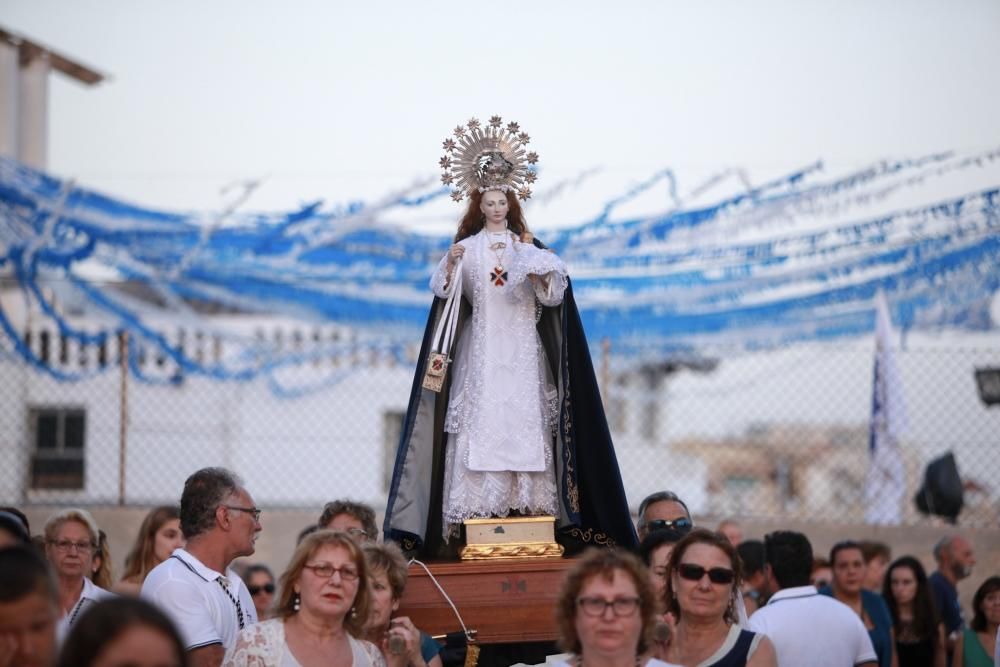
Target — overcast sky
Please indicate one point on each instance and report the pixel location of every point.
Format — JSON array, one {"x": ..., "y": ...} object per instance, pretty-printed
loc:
[{"x": 348, "y": 100}]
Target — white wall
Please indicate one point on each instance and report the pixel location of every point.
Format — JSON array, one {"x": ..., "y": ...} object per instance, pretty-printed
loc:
[{"x": 298, "y": 451}]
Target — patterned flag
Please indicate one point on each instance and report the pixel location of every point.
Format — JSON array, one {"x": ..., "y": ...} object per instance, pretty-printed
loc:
[{"x": 885, "y": 482}]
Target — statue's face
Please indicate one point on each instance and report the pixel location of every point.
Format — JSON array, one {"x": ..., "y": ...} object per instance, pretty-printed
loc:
[{"x": 494, "y": 206}]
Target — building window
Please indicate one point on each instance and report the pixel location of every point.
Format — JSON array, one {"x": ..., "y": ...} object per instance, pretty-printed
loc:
[
  {"x": 392, "y": 428},
  {"x": 58, "y": 437}
]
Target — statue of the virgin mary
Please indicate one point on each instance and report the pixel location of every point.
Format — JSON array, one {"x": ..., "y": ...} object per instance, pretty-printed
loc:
[{"x": 518, "y": 426}]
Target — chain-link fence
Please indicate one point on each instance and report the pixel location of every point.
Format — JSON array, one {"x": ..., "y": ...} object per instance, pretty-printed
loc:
[{"x": 773, "y": 434}]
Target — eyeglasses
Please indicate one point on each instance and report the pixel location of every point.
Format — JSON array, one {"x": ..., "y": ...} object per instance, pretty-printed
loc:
[
  {"x": 266, "y": 588},
  {"x": 357, "y": 532},
  {"x": 325, "y": 571},
  {"x": 254, "y": 511},
  {"x": 619, "y": 606},
  {"x": 69, "y": 545},
  {"x": 717, "y": 575},
  {"x": 682, "y": 526}
]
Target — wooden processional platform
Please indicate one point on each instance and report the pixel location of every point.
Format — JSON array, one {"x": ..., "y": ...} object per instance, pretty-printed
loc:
[{"x": 504, "y": 601}]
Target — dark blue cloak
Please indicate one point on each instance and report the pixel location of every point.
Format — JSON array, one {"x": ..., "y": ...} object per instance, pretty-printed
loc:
[{"x": 592, "y": 505}]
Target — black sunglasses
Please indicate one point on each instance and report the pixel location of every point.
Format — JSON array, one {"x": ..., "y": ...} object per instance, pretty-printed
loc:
[
  {"x": 267, "y": 588},
  {"x": 717, "y": 575},
  {"x": 682, "y": 526}
]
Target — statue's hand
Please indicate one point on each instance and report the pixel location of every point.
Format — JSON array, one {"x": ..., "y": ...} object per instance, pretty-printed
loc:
[{"x": 454, "y": 254}]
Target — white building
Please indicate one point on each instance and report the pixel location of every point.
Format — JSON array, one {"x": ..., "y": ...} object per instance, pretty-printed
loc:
[{"x": 304, "y": 434}]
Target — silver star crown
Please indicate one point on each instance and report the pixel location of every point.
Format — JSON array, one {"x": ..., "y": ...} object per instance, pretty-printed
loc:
[{"x": 488, "y": 157}]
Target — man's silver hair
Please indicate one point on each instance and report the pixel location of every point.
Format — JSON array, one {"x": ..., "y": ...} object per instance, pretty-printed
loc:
[
  {"x": 657, "y": 497},
  {"x": 943, "y": 545}
]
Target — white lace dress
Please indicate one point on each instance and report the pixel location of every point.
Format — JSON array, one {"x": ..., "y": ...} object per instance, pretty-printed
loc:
[
  {"x": 503, "y": 404},
  {"x": 263, "y": 645}
]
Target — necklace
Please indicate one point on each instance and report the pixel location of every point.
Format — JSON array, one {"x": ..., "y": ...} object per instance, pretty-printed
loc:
[
  {"x": 236, "y": 603},
  {"x": 498, "y": 276}
]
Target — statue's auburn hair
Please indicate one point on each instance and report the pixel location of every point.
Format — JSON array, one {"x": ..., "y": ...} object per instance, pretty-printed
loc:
[{"x": 472, "y": 221}]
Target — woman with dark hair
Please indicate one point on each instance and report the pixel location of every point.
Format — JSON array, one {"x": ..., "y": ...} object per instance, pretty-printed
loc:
[
  {"x": 848, "y": 568},
  {"x": 323, "y": 605},
  {"x": 489, "y": 433},
  {"x": 123, "y": 631},
  {"x": 29, "y": 608},
  {"x": 920, "y": 640},
  {"x": 977, "y": 645},
  {"x": 655, "y": 551},
  {"x": 159, "y": 534},
  {"x": 703, "y": 594},
  {"x": 605, "y": 612},
  {"x": 13, "y": 527},
  {"x": 821, "y": 572},
  {"x": 260, "y": 583}
]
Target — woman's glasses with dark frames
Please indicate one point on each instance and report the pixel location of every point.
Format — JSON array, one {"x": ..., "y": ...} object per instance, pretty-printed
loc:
[
  {"x": 717, "y": 575},
  {"x": 619, "y": 606}
]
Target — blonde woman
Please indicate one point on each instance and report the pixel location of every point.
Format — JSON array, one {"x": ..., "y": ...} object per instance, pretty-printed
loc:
[
  {"x": 71, "y": 539},
  {"x": 159, "y": 534},
  {"x": 387, "y": 574},
  {"x": 323, "y": 605}
]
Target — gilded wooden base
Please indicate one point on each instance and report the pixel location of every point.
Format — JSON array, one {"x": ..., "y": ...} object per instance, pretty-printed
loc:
[{"x": 517, "y": 537}]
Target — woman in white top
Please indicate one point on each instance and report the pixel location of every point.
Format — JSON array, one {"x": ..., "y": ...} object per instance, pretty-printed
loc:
[
  {"x": 606, "y": 612},
  {"x": 71, "y": 539},
  {"x": 324, "y": 601}
]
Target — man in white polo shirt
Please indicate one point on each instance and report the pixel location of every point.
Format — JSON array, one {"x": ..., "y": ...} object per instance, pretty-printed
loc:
[
  {"x": 806, "y": 628},
  {"x": 195, "y": 586}
]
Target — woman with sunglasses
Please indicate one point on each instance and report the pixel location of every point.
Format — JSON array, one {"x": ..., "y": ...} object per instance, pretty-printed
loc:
[
  {"x": 323, "y": 605},
  {"x": 606, "y": 612},
  {"x": 702, "y": 593},
  {"x": 260, "y": 583}
]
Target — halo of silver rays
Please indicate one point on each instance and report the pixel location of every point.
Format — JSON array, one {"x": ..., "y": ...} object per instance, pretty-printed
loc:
[{"x": 460, "y": 164}]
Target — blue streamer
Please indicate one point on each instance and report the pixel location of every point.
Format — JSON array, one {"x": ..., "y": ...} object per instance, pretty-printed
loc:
[{"x": 637, "y": 281}]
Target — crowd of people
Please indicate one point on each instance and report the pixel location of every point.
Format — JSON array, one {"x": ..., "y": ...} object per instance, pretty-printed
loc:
[{"x": 690, "y": 596}]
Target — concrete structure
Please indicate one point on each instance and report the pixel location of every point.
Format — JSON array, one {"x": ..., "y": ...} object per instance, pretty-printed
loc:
[{"x": 25, "y": 66}]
